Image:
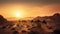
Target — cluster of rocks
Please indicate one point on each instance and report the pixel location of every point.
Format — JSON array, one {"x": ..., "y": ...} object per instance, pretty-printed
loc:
[{"x": 35, "y": 26}]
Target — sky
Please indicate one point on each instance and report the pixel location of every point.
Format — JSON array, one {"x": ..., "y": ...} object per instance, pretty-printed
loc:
[{"x": 29, "y": 8}]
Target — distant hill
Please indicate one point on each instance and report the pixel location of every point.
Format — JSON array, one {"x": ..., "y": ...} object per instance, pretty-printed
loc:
[
  {"x": 12, "y": 18},
  {"x": 25, "y": 18}
]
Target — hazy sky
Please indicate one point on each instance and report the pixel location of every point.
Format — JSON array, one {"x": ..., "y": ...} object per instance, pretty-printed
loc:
[{"x": 29, "y": 8}]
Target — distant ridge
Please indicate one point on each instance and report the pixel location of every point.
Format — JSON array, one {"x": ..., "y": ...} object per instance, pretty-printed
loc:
[{"x": 53, "y": 17}]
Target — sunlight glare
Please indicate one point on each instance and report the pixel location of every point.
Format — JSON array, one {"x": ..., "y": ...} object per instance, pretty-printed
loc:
[{"x": 18, "y": 13}]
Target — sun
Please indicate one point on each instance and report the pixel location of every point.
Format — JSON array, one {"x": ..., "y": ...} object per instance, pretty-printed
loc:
[{"x": 17, "y": 13}]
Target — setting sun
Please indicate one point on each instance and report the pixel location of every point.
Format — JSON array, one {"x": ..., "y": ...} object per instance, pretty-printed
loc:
[{"x": 18, "y": 13}]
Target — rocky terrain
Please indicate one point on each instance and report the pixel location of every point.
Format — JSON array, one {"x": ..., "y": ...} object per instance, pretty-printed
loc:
[{"x": 37, "y": 25}]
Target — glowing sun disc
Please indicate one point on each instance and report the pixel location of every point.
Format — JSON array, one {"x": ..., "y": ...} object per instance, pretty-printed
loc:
[{"x": 18, "y": 14}]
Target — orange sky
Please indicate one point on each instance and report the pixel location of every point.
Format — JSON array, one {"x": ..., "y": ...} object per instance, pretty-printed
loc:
[{"x": 28, "y": 10}]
